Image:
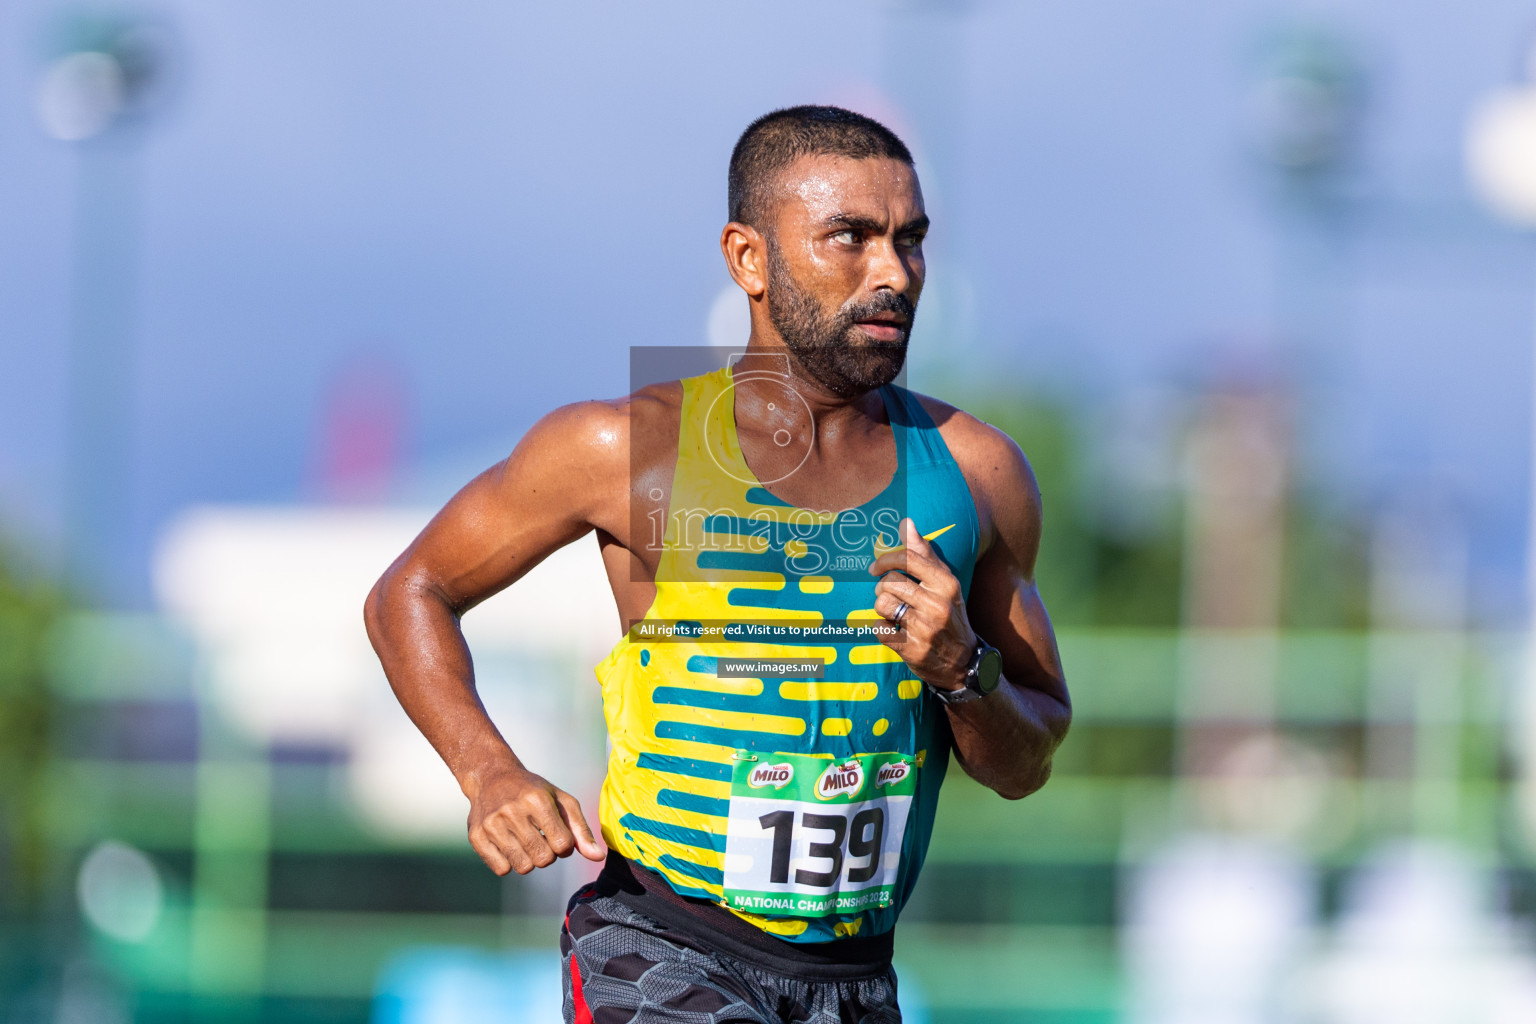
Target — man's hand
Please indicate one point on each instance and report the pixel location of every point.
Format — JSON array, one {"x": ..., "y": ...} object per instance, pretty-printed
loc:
[
  {"x": 519, "y": 821},
  {"x": 937, "y": 641}
]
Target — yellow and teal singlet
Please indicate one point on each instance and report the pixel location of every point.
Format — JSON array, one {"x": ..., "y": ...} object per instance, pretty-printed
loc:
[{"x": 803, "y": 801}]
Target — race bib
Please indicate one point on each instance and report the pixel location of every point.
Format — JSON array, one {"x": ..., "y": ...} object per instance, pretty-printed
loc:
[{"x": 812, "y": 837}]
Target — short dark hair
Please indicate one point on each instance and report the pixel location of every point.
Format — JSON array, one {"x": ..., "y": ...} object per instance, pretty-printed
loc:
[{"x": 776, "y": 140}]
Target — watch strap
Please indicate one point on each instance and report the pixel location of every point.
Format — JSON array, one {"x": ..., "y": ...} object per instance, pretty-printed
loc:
[
  {"x": 970, "y": 691},
  {"x": 964, "y": 695}
]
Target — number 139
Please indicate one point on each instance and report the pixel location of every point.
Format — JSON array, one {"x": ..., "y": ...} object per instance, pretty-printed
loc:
[{"x": 864, "y": 834}]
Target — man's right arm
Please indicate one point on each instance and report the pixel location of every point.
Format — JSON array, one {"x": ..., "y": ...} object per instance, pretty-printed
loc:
[{"x": 565, "y": 477}]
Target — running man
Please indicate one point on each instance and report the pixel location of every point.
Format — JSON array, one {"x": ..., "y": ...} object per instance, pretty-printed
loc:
[{"x": 828, "y": 587}]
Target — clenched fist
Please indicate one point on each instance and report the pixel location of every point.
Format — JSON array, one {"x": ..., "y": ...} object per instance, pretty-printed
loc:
[{"x": 519, "y": 821}]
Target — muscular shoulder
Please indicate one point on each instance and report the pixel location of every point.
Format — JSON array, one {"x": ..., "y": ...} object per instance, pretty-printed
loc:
[
  {"x": 652, "y": 415},
  {"x": 606, "y": 432},
  {"x": 591, "y": 455},
  {"x": 995, "y": 468}
]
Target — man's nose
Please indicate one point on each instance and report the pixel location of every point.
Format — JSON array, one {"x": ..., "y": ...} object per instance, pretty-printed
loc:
[{"x": 888, "y": 269}]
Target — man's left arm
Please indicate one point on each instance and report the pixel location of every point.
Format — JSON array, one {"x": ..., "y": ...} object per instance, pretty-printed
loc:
[{"x": 1005, "y": 740}]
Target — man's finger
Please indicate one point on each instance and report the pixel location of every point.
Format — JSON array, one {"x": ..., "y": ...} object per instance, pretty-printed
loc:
[
  {"x": 520, "y": 819},
  {"x": 917, "y": 595},
  {"x": 914, "y": 557},
  {"x": 500, "y": 832},
  {"x": 549, "y": 819},
  {"x": 886, "y": 605},
  {"x": 589, "y": 845},
  {"x": 489, "y": 852},
  {"x": 894, "y": 560},
  {"x": 915, "y": 541},
  {"x": 896, "y": 640},
  {"x": 899, "y": 587}
]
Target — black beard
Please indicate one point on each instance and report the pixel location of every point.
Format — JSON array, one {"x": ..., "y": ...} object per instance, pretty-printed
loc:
[{"x": 824, "y": 344}]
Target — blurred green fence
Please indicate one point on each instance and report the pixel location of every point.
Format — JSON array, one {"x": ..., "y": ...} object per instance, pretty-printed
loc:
[{"x": 275, "y": 903}]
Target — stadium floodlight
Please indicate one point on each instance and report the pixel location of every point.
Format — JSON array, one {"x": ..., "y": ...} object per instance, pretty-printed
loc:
[
  {"x": 80, "y": 94},
  {"x": 1307, "y": 108},
  {"x": 111, "y": 71},
  {"x": 1501, "y": 151}
]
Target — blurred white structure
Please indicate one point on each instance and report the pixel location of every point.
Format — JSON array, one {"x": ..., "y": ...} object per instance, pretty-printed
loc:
[
  {"x": 1217, "y": 918},
  {"x": 1216, "y": 921},
  {"x": 1213, "y": 927},
  {"x": 1417, "y": 943},
  {"x": 274, "y": 598}
]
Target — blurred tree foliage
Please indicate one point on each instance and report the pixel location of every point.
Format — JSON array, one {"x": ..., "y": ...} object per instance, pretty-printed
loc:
[
  {"x": 1088, "y": 574},
  {"x": 1327, "y": 567},
  {"x": 1095, "y": 570},
  {"x": 28, "y": 609}
]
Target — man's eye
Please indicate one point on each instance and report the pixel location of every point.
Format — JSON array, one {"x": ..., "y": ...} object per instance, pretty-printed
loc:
[
  {"x": 912, "y": 241},
  {"x": 848, "y": 237}
]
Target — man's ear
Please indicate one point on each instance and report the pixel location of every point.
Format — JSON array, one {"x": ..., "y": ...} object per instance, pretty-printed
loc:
[{"x": 746, "y": 257}]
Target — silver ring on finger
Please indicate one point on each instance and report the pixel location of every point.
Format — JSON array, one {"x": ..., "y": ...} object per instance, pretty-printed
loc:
[{"x": 900, "y": 612}]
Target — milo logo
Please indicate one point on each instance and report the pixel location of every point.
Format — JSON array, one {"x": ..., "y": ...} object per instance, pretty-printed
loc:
[
  {"x": 840, "y": 780},
  {"x": 890, "y": 774},
  {"x": 775, "y": 775}
]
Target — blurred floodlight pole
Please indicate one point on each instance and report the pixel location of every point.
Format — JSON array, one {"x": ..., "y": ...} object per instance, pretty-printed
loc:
[
  {"x": 92, "y": 96},
  {"x": 924, "y": 76},
  {"x": 1308, "y": 106},
  {"x": 1216, "y": 916},
  {"x": 1500, "y": 159}
]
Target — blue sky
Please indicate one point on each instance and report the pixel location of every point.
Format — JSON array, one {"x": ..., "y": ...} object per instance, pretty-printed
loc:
[{"x": 498, "y": 199}]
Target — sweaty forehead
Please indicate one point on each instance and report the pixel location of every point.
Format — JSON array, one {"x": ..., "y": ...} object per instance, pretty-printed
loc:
[{"x": 814, "y": 189}]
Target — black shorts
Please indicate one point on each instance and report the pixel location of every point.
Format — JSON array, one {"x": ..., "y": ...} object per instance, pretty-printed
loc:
[{"x": 622, "y": 967}]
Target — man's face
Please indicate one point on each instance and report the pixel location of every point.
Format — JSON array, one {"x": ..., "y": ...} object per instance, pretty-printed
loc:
[{"x": 845, "y": 268}]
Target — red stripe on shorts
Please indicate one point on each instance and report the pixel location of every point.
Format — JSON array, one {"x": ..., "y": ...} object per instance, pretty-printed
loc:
[{"x": 583, "y": 1015}]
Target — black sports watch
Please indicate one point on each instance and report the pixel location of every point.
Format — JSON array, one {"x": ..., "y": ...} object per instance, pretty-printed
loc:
[{"x": 981, "y": 676}]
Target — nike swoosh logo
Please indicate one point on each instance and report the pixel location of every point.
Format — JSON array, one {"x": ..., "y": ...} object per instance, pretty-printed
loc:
[{"x": 882, "y": 548}]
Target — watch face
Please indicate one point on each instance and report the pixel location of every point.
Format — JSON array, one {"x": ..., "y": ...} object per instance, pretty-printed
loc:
[{"x": 988, "y": 670}]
